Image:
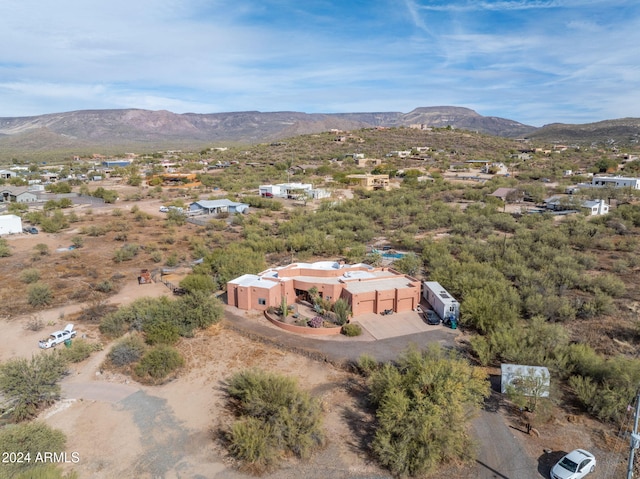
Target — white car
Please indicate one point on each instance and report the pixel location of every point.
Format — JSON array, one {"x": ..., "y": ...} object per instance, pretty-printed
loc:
[
  {"x": 58, "y": 337},
  {"x": 164, "y": 209},
  {"x": 575, "y": 465}
]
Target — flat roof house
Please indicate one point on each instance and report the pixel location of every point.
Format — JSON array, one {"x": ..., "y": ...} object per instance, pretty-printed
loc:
[
  {"x": 370, "y": 182},
  {"x": 365, "y": 288},
  {"x": 616, "y": 182}
]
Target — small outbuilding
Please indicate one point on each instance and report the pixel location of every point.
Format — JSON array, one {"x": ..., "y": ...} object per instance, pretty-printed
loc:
[
  {"x": 10, "y": 224},
  {"x": 528, "y": 380}
]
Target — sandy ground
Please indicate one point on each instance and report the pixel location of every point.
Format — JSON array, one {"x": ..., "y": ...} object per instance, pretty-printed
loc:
[{"x": 120, "y": 428}]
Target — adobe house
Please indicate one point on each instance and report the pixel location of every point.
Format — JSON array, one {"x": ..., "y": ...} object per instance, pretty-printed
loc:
[
  {"x": 365, "y": 288},
  {"x": 370, "y": 182}
]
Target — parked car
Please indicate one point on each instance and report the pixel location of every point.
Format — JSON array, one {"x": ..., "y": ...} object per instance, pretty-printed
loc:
[
  {"x": 267, "y": 194},
  {"x": 164, "y": 209},
  {"x": 431, "y": 317},
  {"x": 31, "y": 229},
  {"x": 575, "y": 465},
  {"x": 58, "y": 337}
]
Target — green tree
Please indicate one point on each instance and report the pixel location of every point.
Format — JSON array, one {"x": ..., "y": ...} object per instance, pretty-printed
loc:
[
  {"x": 32, "y": 438},
  {"x": 422, "y": 407},
  {"x": 234, "y": 260},
  {"x": 27, "y": 385},
  {"x": 198, "y": 282},
  {"x": 410, "y": 264}
]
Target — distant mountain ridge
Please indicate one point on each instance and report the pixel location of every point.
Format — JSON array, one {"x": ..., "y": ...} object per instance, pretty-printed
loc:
[{"x": 154, "y": 129}]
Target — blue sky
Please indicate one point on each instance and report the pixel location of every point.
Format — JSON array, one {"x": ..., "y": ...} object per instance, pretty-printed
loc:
[{"x": 537, "y": 62}]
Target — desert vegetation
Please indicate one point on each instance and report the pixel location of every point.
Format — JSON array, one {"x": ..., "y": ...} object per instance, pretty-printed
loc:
[{"x": 535, "y": 288}]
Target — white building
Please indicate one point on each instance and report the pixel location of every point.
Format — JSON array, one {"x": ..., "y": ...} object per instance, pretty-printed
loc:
[
  {"x": 10, "y": 224},
  {"x": 595, "y": 207},
  {"x": 286, "y": 190},
  {"x": 616, "y": 182}
]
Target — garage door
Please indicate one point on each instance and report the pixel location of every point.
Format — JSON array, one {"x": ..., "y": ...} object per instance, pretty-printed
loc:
[
  {"x": 385, "y": 304},
  {"x": 366, "y": 307},
  {"x": 405, "y": 304}
]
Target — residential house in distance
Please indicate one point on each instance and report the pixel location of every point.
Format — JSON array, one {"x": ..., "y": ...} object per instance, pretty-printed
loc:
[
  {"x": 563, "y": 203},
  {"x": 370, "y": 182},
  {"x": 362, "y": 162},
  {"x": 292, "y": 191},
  {"x": 365, "y": 288},
  {"x": 616, "y": 182},
  {"x": 116, "y": 163},
  {"x": 215, "y": 207},
  {"x": 7, "y": 174},
  {"x": 512, "y": 194},
  {"x": 18, "y": 194}
]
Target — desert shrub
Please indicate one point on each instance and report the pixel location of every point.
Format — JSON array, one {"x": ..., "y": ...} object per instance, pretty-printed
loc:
[
  {"x": 95, "y": 230},
  {"x": 126, "y": 253},
  {"x": 351, "y": 329},
  {"x": 604, "y": 386},
  {"x": 291, "y": 417},
  {"x": 160, "y": 331},
  {"x": 42, "y": 249},
  {"x": 126, "y": 351},
  {"x": 114, "y": 325},
  {"x": 54, "y": 223},
  {"x": 5, "y": 250},
  {"x": 422, "y": 407},
  {"x": 315, "y": 322},
  {"x": 197, "y": 310},
  {"x": 35, "y": 323},
  {"x": 172, "y": 260},
  {"x": 198, "y": 282},
  {"x": 600, "y": 304},
  {"x": 156, "y": 256},
  {"x": 30, "y": 275},
  {"x": 105, "y": 286},
  {"x": 39, "y": 294},
  {"x": 607, "y": 283},
  {"x": 342, "y": 310},
  {"x": 157, "y": 363},
  {"x": 77, "y": 241},
  {"x": 27, "y": 385},
  {"x": 78, "y": 351},
  {"x": 367, "y": 364},
  {"x": 481, "y": 348},
  {"x": 252, "y": 442},
  {"x": 32, "y": 438}
]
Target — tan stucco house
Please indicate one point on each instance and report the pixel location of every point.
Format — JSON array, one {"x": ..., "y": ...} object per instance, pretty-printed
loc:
[{"x": 365, "y": 288}]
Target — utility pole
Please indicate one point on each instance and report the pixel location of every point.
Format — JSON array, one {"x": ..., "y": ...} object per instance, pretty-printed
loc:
[{"x": 635, "y": 438}]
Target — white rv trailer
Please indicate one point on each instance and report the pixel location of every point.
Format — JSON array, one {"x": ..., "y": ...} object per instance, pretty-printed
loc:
[{"x": 441, "y": 301}]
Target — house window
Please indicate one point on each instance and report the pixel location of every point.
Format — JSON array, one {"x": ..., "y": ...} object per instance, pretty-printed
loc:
[
  {"x": 262, "y": 301},
  {"x": 327, "y": 297}
]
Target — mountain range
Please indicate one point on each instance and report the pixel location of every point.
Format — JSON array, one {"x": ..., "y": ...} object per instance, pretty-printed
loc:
[{"x": 145, "y": 129}]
